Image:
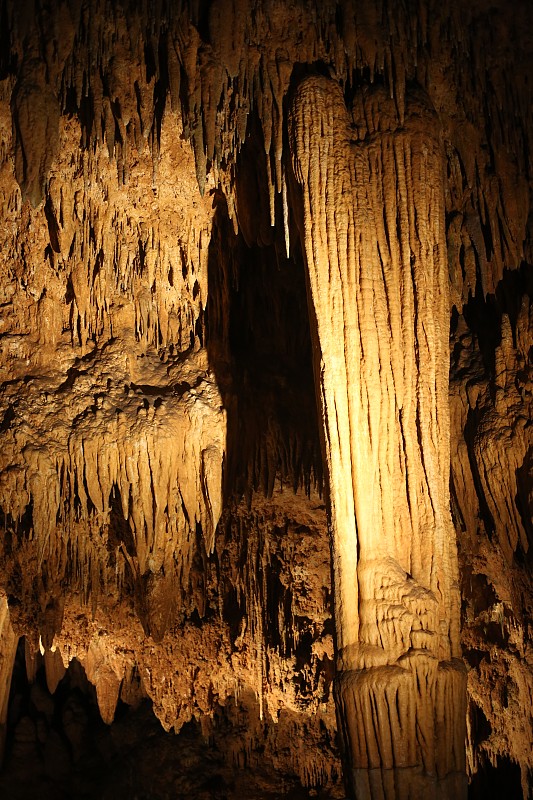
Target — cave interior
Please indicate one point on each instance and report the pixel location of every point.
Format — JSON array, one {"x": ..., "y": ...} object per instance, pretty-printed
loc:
[{"x": 266, "y": 392}]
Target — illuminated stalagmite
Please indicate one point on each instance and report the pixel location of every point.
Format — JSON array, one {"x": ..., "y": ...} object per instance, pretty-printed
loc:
[
  {"x": 266, "y": 453},
  {"x": 373, "y": 230}
]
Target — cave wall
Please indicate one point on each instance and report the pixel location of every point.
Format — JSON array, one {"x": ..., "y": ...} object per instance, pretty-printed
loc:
[{"x": 165, "y": 469}]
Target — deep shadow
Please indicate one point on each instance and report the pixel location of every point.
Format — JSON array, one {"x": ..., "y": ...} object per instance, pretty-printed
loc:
[
  {"x": 60, "y": 749},
  {"x": 483, "y": 313},
  {"x": 258, "y": 341},
  {"x": 497, "y": 782}
]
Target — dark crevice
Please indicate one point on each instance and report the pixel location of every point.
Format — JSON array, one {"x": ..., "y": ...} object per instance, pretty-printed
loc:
[
  {"x": 258, "y": 340},
  {"x": 494, "y": 782}
]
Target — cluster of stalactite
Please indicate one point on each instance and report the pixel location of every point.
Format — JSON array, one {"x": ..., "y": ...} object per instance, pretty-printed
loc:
[
  {"x": 257, "y": 645},
  {"x": 111, "y": 480},
  {"x": 146, "y": 170},
  {"x": 491, "y": 406},
  {"x": 118, "y": 68},
  {"x": 106, "y": 374}
]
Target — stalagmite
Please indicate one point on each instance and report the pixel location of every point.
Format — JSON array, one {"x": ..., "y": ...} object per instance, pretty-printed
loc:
[
  {"x": 373, "y": 229},
  {"x": 241, "y": 244}
]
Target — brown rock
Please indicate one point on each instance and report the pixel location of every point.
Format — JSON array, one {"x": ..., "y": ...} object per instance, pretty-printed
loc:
[{"x": 265, "y": 295}]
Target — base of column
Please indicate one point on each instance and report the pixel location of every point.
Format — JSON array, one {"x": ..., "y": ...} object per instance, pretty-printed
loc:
[
  {"x": 409, "y": 783},
  {"x": 403, "y": 727}
]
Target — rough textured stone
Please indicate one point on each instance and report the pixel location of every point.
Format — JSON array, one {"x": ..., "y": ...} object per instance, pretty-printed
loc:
[{"x": 266, "y": 343}]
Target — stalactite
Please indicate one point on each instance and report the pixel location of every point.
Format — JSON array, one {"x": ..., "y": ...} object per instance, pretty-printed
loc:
[
  {"x": 54, "y": 668},
  {"x": 490, "y": 402},
  {"x": 113, "y": 122},
  {"x": 134, "y": 296}
]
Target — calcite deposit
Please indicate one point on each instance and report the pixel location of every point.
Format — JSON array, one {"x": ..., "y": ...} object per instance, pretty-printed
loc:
[
  {"x": 266, "y": 452},
  {"x": 373, "y": 222}
]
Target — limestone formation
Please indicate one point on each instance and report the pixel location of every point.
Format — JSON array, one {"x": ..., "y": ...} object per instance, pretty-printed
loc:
[
  {"x": 266, "y": 343},
  {"x": 7, "y": 657},
  {"x": 373, "y": 231}
]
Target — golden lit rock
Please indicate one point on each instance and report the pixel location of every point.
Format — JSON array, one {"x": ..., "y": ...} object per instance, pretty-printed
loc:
[{"x": 265, "y": 398}]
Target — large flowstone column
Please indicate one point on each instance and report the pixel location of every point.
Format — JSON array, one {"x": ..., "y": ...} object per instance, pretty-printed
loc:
[{"x": 372, "y": 191}]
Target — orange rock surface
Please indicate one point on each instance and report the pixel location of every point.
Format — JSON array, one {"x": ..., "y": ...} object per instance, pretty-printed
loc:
[{"x": 266, "y": 393}]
